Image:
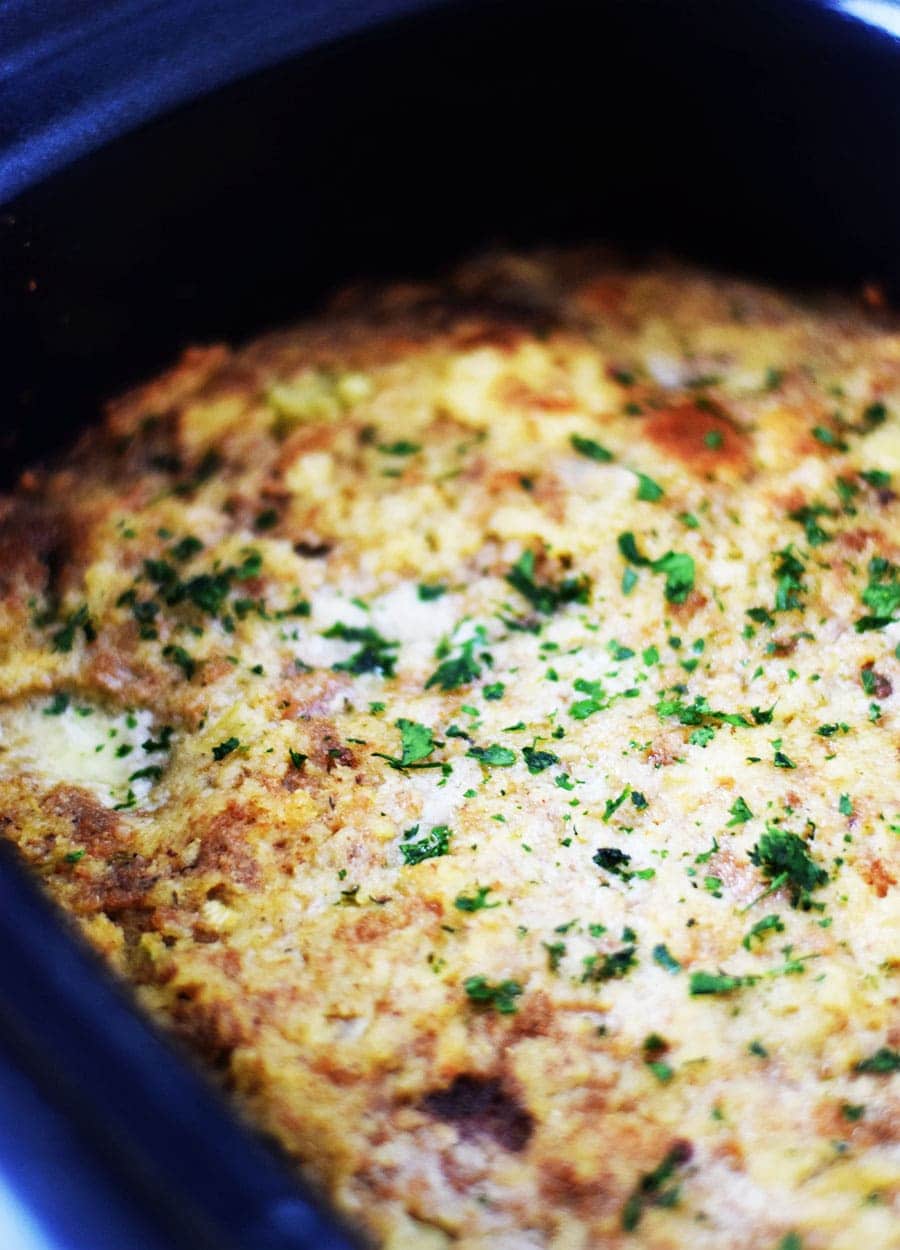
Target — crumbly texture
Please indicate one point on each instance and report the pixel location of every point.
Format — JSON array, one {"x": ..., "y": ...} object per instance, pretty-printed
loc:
[{"x": 470, "y": 720}]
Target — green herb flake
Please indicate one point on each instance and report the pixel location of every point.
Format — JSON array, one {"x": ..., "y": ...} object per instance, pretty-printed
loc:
[
  {"x": 717, "y": 983},
  {"x": 768, "y": 924},
  {"x": 64, "y": 639},
  {"x": 740, "y": 813},
  {"x": 375, "y": 655},
  {"x": 545, "y": 597},
  {"x": 648, "y": 490},
  {"x": 665, "y": 959},
  {"x": 401, "y": 448},
  {"x": 783, "y": 855},
  {"x": 431, "y": 845},
  {"x": 653, "y": 1189},
  {"x": 537, "y": 761},
  {"x": 881, "y": 595},
  {"x": 883, "y": 1062},
  {"x": 225, "y": 748},
  {"x": 429, "y": 591},
  {"x": 610, "y": 966},
  {"x": 500, "y": 996},
  {"x": 828, "y": 438},
  {"x": 475, "y": 902},
  {"x": 493, "y": 756},
  {"x": 460, "y": 670},
  {"x": 181, "y": 658},
  {"x": 593, "y": 451}
]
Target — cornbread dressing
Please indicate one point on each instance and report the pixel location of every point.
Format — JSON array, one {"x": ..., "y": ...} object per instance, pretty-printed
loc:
[{"x": 470, "y": 721}]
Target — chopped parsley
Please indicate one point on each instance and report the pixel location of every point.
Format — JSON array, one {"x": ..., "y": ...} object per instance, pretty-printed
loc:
[
  {"x": 593, "y": 451},
  {"x": 537, "y": 761},
  {"x": 374, "y": 656},
  {"x": 677, "y": 567},
  {"x": 298, "y": 759},
  {"x": 828, "y": 438},
  {"x": 768, "y": 924},
  {"x": 654, "y": 1188},
  {"x": 401, "y": 448},
  {"x": 475, "y": 902},
  {"x": 740, "y": 813},
  {"x": 181, "y": 658},
  {"x": 459, "y": 670},
  {"x": 501, "y": 996},
  {"x": 493, "y": 756},
  {"x": 784, "y": 858},
  {"x": 789, "y": 585},
  {"x": 429, "y": 846},
  {"x": 881, "y": 1063},
  {"x": 881, "y": 595},
  {"x": 225, "y": 748},
  {"x": 57, "y": 705},
  {"x": 717, "y": 983},
  {"x": 610, "y": 966},
  {"x": 808, "y": 517},
  {"x": 648, "y": 490},
  {"x": 64, "y": 639},
  {"x": 428, "y": 591},
  {"x": 416, "y": 744},
  {"x": 665, "y": 959},
  {"x": 545, "y": 597},
  {"x": 614, "y": 861}
]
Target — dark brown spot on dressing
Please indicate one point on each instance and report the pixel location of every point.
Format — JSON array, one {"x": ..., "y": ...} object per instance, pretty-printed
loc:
[{"x": 482, "y": 1106}]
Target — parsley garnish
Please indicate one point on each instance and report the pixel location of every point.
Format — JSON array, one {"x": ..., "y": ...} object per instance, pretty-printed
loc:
[
  {"x": 225, "y": 748},
  {"x": 740, "y": 813},
  {"x": 648, "y": 490},
  {"x": 717, "y": 983},
  {"x": 537, "y": 761},
  {"x": 785, "y": 857},
  {"x": 429, "y": 846},
  {"x": 58, "y": 704},
  {"x": 663, "y": 957},
  {"x": 653, "y": 1189},
  {"x": 493, "y": 756},
  {"x": 788, "y": 584},
  {"x": 502, "y": 996},
  {"x": 768, "y": 924},
  {"x": 298, "y": 759},
  {"x": 427, "y": 591},
  {"x": 807, "y": 516},
  {"x": 881, "y": 1063},
  {"x": 375, "y": 655},
  {"x": 593, "y": 451},
  {"x": 416, "y": 744},
  {"x": 610, "y": 966},
  {"x": 64, "y": 638},
  {"x": 179, "y": 656},
  {"x": 882, "y": 595},
  {"x": 677, "y": 567},
  {"x": 545, "y": 597},
  {"x": 461, "y": 670},
  {"x": 400, "y": 448},
  {"x": 613, "y": 860},
  {"x": 475, "y": 902},
  {"x": 828, "y": 438}
]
